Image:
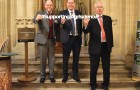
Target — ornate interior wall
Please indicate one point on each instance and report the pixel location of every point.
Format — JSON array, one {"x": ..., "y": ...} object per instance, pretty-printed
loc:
[
  {"x": 125, "y": 13},
  {"x": 22, "y": 12},
  {"x": 4, "y": 19}
]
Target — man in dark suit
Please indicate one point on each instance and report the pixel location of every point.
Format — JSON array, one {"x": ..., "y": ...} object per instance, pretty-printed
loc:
[
  {"x": 100, "y": 45},
  {"x": 70, "y": 36},
  {"x": 45, "y": 38}
]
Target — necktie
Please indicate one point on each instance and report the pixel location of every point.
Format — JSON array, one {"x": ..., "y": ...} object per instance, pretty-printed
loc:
[
  {"x": 50, "y": 36},
  {"x": 73, "y": 24},
  {"x": 103, "y": 36}
]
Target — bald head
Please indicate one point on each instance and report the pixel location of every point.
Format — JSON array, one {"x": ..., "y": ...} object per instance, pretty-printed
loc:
[
  {"x": 98, "y": 6},
  {"x": 71, "y": 0},
  {"x": 48, "y": 1},
  {"x": 98, "y": 3},
  {"x": 49, "y": 5}
]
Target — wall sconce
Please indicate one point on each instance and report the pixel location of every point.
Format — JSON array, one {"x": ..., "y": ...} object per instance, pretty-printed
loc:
[{"x": 114, "y": 21}]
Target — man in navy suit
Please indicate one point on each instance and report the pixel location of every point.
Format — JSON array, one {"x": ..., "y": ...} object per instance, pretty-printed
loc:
[
  {"x": 70, "y": 36},
  {"x": 100, "y": 44}
]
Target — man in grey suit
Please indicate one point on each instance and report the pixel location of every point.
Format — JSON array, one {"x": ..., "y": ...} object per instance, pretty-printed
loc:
[{"x": 45, "y": 38}]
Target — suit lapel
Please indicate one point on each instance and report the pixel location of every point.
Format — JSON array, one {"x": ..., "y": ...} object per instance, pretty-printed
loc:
[
  {"x": 104, "y": 24},
  {"x": 46, "y": 21},
  {"x": 77, "y": 21},
  {"x": 103, "y": 20},
  {"x": 76, "y": 13},
  {"x": 67, "y": 12},
  {"x": 97, "y": 22}
]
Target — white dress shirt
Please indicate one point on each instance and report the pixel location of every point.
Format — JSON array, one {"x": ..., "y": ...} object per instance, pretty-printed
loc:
[
  {"x": 97, "y": 16},
  {"x": 73, "y": 11}
]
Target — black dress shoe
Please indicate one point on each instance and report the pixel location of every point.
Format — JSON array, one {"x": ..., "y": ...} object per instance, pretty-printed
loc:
[
  {"x": 77, "y": 79},
  {"x": 42, "y": 80},
  {"x": 52, "y": 80},
  {"x": 65, "y": 80},
  {"x": 93, "y": 88},
  {"x": 106, "y": 88}
]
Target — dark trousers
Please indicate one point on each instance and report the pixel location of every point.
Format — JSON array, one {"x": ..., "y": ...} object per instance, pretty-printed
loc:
[
  {"x": 74, "y": 45},
  {"x": 94, "y": 64}
]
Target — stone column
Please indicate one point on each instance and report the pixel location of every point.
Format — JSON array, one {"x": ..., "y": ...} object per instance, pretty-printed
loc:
[
  {"x": 12, "y": 23},
  {"x": 138, "y": 9},
  {"x": 64, "y": 4},
  {"x": 130, "y": 29},
  {"x": 116, "y": 11},
  {"x": 3, "y": 19}
]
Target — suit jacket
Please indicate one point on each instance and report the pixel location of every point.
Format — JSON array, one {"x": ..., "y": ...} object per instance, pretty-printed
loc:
[
  {"x": 95, "y": 34},
  {"x": 67, "y": 27},
  {"x": 43, "y": 28}
]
